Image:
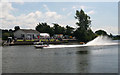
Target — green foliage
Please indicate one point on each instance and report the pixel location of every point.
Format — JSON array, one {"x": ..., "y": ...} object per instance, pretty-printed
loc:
[
  {"x": 0, "y": 33},
  {"x": 44, "y": 28},
  {"x": 69, "y": 30},
  {"x": 6, "y": 34},
  {"x": 110, "y": 35},
  {"x": 58, "y": 29},
  {"x": 83, "y": 20},
  {"x": 116, "y": 37},
  {"x": 101, "y": 32},
  {"x": 16, "y": 28},
  {"x": 83, "y": 32}
]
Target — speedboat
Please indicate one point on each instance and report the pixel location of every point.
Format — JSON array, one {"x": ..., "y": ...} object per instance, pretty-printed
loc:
[{"x": 40, "y": 45}]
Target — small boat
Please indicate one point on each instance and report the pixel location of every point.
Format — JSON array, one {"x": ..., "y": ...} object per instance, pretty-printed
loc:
[{"x": 40, "y": 45}]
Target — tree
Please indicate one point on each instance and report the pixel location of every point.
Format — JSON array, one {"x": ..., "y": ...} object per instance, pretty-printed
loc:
[
  {"x": 58, "y": 29},
  {"x": 51, "y": 31},
  {"x": 16, "y": 28},
  {"x": 44, "y": 28},
  {"x": 5, "y": 36},
  {"x": 83, "y": 20},
  {"x": 10, "y": 30},
  {"x": 111, "y": 35},
  {"x": 11, "y": 33},
  {"x": 101, "y": 32},
  {"x": 117, "y": 37},
  {"x": 83, "y": 32},
  {"x": 0, "y": 33},
  {"x": 69, "y": 30},
  {"x": 7, "y": 33}
]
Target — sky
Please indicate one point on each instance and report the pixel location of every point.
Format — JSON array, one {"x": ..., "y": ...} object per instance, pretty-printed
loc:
[{"x": 104, "y": 15}]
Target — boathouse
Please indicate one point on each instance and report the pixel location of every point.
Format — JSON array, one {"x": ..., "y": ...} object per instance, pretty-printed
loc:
[{"x": 26, "y": 34}]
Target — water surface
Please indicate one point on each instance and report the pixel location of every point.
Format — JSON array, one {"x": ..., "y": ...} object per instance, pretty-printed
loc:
[{"x": 83, "y": 59}]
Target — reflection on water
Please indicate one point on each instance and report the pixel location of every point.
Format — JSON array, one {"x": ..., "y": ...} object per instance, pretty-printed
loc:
[
  {"x": 83, "y": 59},
  {"x": 82, "y": 52},
  {"x": 93, "y": 59},
  {"x": 0, "y": 59}
]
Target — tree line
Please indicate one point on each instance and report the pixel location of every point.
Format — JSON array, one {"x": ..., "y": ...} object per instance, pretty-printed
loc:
[
  {"x": 56, "y": 29},
  {"x": 83, "y": 33}
]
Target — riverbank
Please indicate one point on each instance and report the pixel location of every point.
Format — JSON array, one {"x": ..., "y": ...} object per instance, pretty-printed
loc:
[{"x": 45, "y": 41}]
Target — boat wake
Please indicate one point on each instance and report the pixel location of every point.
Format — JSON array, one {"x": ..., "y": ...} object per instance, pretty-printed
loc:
[
  {"x": 63, "y": 46},
  {"x": 102, "y": 40},
  {"x": 98, "y": 41}
]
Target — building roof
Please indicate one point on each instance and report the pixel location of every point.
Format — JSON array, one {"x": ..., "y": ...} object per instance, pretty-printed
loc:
[{"x": 29, "y": 31}]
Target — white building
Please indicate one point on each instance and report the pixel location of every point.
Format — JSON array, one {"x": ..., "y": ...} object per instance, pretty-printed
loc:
[
  {"x": 45, "y": 35},
  {"x": 26, "y": 34}
]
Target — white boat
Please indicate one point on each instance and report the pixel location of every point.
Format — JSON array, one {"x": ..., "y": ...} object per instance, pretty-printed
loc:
[{"x": 40, "y": 45}]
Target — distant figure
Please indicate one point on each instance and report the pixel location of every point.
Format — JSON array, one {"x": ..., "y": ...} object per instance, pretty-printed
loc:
[
  {"x": 48, "y": 39},
  {"x": 38, "y": 37}
]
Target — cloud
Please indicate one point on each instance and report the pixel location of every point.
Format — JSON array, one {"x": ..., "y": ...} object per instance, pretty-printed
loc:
[
  {"x": 20, "y": 2},
  {"x": 29, "y": 20},
  {"x": 74, "y": 7},
  {"x": 91, "y": 12},
  {"x": 82, "y": 7},
  {"x": 46, "y": 7},
  {"x": 63, "y": 9},
  {"x": 14, "y": 1},
  {"x": 70, "y": 13},
  {"x": 6, "y": 8},
  {"x": 53, "y": 15},
  {"x": 79, "y": 7}
]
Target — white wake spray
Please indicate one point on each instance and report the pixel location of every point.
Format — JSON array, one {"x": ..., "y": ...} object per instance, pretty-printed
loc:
[
  {"x": 63, "y": 46},
  {"x": 100, "y": 40}
]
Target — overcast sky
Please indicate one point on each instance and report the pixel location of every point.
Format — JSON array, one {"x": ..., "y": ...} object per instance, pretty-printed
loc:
[{"x": 104, "y": 15}]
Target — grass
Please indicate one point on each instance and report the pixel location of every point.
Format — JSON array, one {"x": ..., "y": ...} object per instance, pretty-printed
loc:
[
  {"x": 20, "y": 40},
  {"x": 44, "y": 40},
  {"x": 52, "y": 40},
  {"x": 27, "y": 40}
]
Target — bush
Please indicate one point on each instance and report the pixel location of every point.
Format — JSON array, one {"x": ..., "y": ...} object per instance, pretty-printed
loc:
[{"x": 5, "y": 36}]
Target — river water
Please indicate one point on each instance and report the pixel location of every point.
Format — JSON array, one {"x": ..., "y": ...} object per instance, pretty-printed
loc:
[{"x": 60, "y": 59}]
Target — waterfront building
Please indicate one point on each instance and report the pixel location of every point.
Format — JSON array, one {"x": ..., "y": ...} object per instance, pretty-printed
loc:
[{"x": 26, "y": 34}]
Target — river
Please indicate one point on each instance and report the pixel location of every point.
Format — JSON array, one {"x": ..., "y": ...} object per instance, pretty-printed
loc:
[
  {"x": 92, "y": 59},
  {"x": 69, "y": 58}
]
